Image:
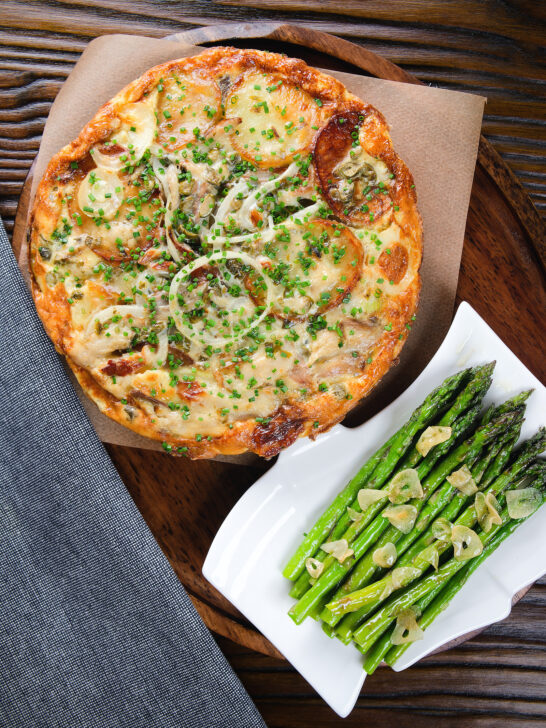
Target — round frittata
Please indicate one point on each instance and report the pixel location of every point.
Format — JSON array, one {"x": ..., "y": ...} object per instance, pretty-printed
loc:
[{"x": 228, "y": 254}]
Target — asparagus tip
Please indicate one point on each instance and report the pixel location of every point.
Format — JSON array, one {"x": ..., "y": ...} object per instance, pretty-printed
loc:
[{"x": 487, "y": 368}]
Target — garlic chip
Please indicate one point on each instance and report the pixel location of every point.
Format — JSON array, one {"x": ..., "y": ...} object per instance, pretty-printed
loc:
[
  {"x": 314, "y": 567},
  {"x": 432, "y": 436},
  {"x": 354, "y": 515},
  {"x": 428, "y": 556},
  {"x": 406, "y": 628},
  {"x": 385, "y": 556},
  {"x": 397, "y": 578},
  {"x": 441, "y": 529},
  {"x": 401, "y": 517},
  {"x": 403, "y": 575},
  {"x": 405, "y": 485},
  {"x": 487, "y": 510},
  {"x": 338, "y": 549},
  {"x": 367, "y": 496},
  {"x": 462, "y": 480},
  {"x": 466, "y": 543},
  {"x": 521, "y": 503}
]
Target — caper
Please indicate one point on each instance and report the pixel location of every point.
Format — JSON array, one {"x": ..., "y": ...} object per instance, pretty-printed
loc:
[
  {"x": 130, "y": 412},
  {"x": 368, "y": 172},
  {"x": 351, "y": 168}
]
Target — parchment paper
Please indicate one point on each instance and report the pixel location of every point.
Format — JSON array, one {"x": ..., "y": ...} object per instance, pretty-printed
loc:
[{"x": 435, "y": 131}]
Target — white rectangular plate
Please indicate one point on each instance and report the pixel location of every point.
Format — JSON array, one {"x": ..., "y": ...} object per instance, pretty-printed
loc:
[{"x": 259, "y": 535}]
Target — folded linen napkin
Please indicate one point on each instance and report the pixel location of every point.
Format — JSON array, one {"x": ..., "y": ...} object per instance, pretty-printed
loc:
[{"x": 95, "y": 628}]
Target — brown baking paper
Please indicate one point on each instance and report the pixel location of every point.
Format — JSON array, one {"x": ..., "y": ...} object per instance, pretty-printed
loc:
[{"x": 435, "y": 131}]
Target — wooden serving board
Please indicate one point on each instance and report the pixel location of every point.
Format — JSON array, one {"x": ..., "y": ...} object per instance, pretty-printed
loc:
[{"x": 502, "y": 275}]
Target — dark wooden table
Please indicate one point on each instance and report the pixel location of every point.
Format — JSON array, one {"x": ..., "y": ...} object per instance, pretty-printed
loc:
[{"x": 492, "y": 48}]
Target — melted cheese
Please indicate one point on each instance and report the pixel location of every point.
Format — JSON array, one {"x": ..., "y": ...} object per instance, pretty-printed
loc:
[
  {"x": 185, "y": 104},
  {"x": 205, "y": 291},
  {"x": 100, "y": 194}
]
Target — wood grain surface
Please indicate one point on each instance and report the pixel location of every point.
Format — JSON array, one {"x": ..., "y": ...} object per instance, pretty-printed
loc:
[{"x": 491, "y": 48}]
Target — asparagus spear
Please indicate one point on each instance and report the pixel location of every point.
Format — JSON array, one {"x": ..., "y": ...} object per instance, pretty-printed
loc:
[
  {"x": 458, "y": 501},
  {"x": 376, "y": 625},
  {"x": 331, "y": 577},
  {"x": 341, "y": 604},
  {"x": 423, "y": 469},
  {"x": 379, "y": 465},
  {"x": 372, "y": 630},
  {"x": 366, "y": 568},
  {"x": 368, "y": 596},
  {"x": 380, "y": 525},
  {"x": 436, "y": 601},
  {"x": 472, "y": 394},
  {"x": 536, "y": 472},
  {"x": 441, "y": 597},
  {"x": 364, "y": 572},
  {"x": 524, "y": 456}
]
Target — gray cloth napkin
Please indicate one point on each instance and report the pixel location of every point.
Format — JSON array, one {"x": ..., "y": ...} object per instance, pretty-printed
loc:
[{"x": 95, "y": 629}]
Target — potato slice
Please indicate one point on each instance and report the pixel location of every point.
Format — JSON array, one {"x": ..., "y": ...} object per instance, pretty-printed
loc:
[
  {"x": 277, "y": 119},
  {"x": 319, "y": 266},
  {"x": 355, "y": 184},
  {"x": 111, "y": 228},
  {"x": 134, "y": 136},
  {"x": 100, "y": 194},
  {"x": 183, "y": 106}
]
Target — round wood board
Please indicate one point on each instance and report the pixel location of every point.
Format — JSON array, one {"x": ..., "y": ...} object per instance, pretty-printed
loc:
[{"x": 502, "y": 275}]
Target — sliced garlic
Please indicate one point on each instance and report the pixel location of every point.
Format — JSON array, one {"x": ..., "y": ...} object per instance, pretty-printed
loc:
[
  {"x": 487, "y": 510},
  {"x": 406, "y": 628},
  {"x": 521, "y": 503},
  {"x": 401, "y": 517},
  {"x": 427, "y": 556},
  {"x": 338, "y": 549},
  {"x": 466, "y": 543},
  {"x": 354, "y": 515},
  {"x": 405, "y": 485},
  {"x": 100, "y": 193},
  {"x": 403, "y": 575},
  {"x": 398, "y": 578},
  {"x": 432, "y": 436},
  {"x": 441, "y": 530},
  {"x": 462, "y": 480},
  {"x": 385, "y": 556},
  {"x": 314, "y": 567},
  {"x": 367, "y": 496}
]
